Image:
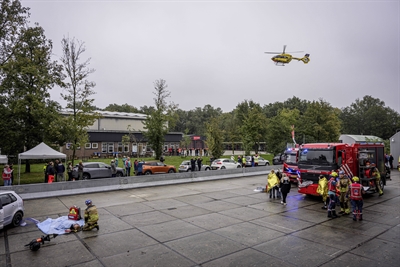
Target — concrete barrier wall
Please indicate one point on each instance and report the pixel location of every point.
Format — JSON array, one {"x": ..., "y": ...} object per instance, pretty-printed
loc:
[{"x": 31, "y": 191}]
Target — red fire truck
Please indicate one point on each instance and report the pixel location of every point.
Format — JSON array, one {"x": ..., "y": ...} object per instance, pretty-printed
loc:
[
  {"x": 290, "y": 164},
  {"x": 323, "y": 158}
]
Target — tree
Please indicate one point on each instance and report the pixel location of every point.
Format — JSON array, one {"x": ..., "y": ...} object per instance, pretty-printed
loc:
[
  {"x": 229, "y": 123},
  {"x": 157, "y": 121},
  {"x": 321, "y": 122},
  {"x": 13, "y": 19},
  {"x": 252, "y": 123},
  {"x": 215, "y": 138},
  {"x": 186, "y": 141},
  {"x": 29, "y": 74},
  {"x": 78, "y": 93},
  {"x": 279, "y": 129},
  {"x": 369, "y": 116},
  {"x": 122, "y": 108}
]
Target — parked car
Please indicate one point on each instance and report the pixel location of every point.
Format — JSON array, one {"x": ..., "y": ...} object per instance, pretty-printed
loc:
[
  {"x": 261, "y": 161},
  {"x": 154, "y": 167},
  {"x": 221, "y": 164},
  {"x": 187, "y": 167},
  {"x": 11, "y": 209},
  {"x": 278, "y": 159},
  {"x": 93, "y": 170}
]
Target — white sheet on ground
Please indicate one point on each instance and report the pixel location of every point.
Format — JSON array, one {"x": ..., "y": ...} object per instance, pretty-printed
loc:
[{"x": 57, "y": 226}]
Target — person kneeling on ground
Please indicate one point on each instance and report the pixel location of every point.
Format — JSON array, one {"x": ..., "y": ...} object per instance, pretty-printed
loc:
[{"x": 91, "y": 216}]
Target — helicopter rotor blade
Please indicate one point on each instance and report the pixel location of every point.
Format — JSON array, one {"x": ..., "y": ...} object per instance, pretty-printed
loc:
[
  {"x": 284, "y": 48},
  {"x": 273, "y": 53}
]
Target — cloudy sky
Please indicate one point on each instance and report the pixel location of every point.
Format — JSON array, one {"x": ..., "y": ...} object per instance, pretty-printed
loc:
[{"x": 212, "y": 52}]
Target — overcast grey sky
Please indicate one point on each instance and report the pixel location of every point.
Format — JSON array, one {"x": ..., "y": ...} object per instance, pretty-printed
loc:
[{"x": 212, "y": 52}]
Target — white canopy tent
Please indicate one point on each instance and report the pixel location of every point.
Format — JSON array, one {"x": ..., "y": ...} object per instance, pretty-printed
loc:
[{"x": 41, "y": 151}]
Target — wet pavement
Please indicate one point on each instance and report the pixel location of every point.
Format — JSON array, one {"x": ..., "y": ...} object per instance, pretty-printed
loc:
[{"x": 213, "y": 223}]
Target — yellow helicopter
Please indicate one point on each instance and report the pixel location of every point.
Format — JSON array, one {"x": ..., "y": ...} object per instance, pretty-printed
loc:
[{"x": 281, "y": 59}]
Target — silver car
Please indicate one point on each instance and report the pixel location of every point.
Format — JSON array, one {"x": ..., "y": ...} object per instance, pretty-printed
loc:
[
  {"x": 93, "y": 170},
  {"x": 11, "y": 209},
  {"x": 186, "y": 166},
  {"x": 261, "y": 161},
  {"x": 221, "y": 164}
]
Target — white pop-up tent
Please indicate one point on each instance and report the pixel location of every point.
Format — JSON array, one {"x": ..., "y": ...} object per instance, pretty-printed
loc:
[{"x": 41, "y": 151}]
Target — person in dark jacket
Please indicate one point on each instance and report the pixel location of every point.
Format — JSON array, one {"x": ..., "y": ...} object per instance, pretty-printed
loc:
[
  {"x": 199, "y": 161},
  {"x": 193, "y": 164},
  {"x": 50, "y": 171},
  {"x": 285, "y": 187}
]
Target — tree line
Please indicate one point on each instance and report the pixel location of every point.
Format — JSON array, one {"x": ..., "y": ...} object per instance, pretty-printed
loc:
[{"x": 30, "y": 116}]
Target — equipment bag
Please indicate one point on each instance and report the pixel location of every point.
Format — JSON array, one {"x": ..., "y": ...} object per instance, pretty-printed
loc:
[{"x": 74, "y": 213}]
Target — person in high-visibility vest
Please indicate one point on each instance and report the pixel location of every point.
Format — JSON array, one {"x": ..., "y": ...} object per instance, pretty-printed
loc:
[{"x": 356, "y": 192}]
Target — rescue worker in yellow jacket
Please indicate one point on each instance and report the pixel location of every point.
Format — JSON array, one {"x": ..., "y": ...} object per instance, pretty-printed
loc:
[
  {"x": 323, "y": 190},
  {"x": 91, "y": 216},
  {"x": 343, "y": 186},
  {"x": 377, "y": 176}
]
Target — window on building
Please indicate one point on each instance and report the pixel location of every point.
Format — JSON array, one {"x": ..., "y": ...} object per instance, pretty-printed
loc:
[
  {"x": 126, "y": 148},
  {"x": 88, "y": 146},
  {"x": 104, "y": 147},
  {"x": 110, "y": 147},
  {"x": 120, "y": 147},
  {"x": 95, "y": 145}
]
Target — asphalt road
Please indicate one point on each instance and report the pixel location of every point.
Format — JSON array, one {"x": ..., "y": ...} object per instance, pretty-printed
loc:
[{"x": 213, "y": 223}]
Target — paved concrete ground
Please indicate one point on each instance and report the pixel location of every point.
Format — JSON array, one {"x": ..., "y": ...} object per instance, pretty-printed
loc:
[{"x": 213, "y": 223}]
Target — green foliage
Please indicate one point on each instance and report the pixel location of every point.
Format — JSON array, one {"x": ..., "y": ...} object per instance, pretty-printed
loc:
[
  {"x": 78, "y": 93},
  {"x": 122, "y": 108},
  {"x": 13, "y": 20},
  {"x": 28, "y": 75},
  {"x": 321, "y": 122},
  {"x": 281, "y": 126},
  {"x": 156, "y": 123},
  {"x": 215, "y": 138},
  {"x": 369, "y": 116},
  {"x": 186, "y": 141}
]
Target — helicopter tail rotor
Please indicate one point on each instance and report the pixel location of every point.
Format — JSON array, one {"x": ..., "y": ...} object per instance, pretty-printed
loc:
[{"x": 306, "y": 58}]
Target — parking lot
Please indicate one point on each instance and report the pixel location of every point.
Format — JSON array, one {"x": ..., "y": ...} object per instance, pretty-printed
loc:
[{"x": 212, "y": 223}]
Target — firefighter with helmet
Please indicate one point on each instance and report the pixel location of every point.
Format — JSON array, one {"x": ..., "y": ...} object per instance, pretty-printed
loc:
[
  {"x": 356, "y": 192},
  {"x": 332, "y": 196},
  {"x": 343, "y": 187},
  {"x": 91, "y": 216},
  {"x": 377, "y": 176}
]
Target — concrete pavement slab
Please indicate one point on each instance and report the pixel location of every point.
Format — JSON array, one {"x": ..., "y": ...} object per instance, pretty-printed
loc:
[
  {"x": 147, "y": 218},
  {"x": 380, "y": 250},
  {"x": 193, "y": 199},
  {"x": 204, "y": 247},
  {"x": 350, "y": 259},
  {"x": 243, "y": 200},
  {"x": 128, "y": 209},
  {"x": 249, "y": 258},
  {"x": 155, "y": 256},
  {"x": 186, "y": 211},
  {"x": 298, "y": 251},
  {"x": 170, "y": 230},
  {"x": 245, "y": 213},
  {"x": 104, "y": 245},
  {"x": 282, "y": 223},
  {"x": 217, "y": 205},
  {"x": 167, "y": 203},
  {"x": 339, "y": 238},
  {"x": 248, "y": 234},
  {"x": 212, "y": 221},
  {"x": 393, "y": 235}
]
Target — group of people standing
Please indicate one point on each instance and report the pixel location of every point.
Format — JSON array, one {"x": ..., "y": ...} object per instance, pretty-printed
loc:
[
  {"x": 55, "y": 171},
  {"x": 278, "y": 185},
  {"x": 8, "y": 175},
  {"x": 127, "y": 165},
  {"x": 341, "y": 191},
  {"x": 196, "y": 161}
]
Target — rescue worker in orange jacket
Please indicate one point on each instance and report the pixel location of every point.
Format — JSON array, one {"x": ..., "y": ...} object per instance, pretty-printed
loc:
[
  {"x": 356, "y": 192},
  {"x": 91, "y": 216},
  {"x": 343, "y": 188}
]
